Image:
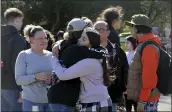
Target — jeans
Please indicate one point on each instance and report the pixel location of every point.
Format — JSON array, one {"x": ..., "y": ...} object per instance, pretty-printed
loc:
[
  {"x": 114, "y": 107},
  {"x": 151, "y": 106},
  {"x": 9, "y": 100},
  {"x": 61, "y": 108},
  {"x": 28, "y": 106}
]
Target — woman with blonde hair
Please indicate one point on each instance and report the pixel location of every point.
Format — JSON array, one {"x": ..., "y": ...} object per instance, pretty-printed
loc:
[{"x": 33, "y": 70}]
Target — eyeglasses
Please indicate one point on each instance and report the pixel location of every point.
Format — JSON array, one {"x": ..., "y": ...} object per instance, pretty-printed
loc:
[
  {"x": 101, "y": 30},
  {"x": 41, "y": 39}
]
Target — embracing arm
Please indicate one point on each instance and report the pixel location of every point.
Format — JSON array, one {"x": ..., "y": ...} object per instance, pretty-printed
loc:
[
  {"x": 78, "y": 53},
  {"x": 82, "y": 68}
]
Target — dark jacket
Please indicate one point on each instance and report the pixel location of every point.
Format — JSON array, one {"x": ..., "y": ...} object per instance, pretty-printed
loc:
[
  {"x": 120, "y": 61},
  {"x": 67, "y": 92},
  {"x": 113, "y": 37},
  {"x": 12, "y": 43}
]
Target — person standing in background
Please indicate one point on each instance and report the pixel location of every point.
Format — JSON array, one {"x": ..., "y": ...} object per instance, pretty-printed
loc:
[
  {"x": 12, "y": 43},
  {"x": 51, "y": 40},
  {"x": 142, "y": 75},
  {"x": 131, "y": 44},
  {"x": 113, "y": 17},
  {"x": 117, "y": 62}
]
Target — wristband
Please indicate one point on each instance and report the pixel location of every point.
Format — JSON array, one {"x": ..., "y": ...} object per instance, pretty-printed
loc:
[
  {"x": 142, "y": 102},
  {"x": 35, "y": 77}
]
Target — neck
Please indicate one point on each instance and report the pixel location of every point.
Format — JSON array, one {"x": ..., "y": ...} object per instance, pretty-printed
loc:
[
  {"x": 104, "y": 44},
  {"x": 38, "y": 51},
  {"x": 11, "y": 24},
  {"x": 139, "y": 35},
  {"x": 130, "y": 50},
  {"x": 114, "y": 28}
]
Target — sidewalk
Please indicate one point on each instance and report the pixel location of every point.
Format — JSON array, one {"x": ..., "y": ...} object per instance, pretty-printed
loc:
[{"x": 165, "y": 103}]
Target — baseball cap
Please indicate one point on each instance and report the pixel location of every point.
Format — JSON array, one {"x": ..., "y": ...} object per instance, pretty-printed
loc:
[
  {"x": 139, "y": 19},
  {"x": 76, "y": 24}
]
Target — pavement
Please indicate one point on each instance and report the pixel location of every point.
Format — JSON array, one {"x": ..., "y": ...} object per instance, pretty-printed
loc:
[{"x": 165, "y": 103}]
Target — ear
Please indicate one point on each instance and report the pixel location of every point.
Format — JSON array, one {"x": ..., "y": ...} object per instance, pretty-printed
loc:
[
  {"x": 135, "y": 30},
  {"x": 109, "y": 32},
  {"x": 31, "y": 41}
]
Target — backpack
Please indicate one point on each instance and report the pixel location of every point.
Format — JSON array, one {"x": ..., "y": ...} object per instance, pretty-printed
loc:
[{"x": 164, "y": 71}]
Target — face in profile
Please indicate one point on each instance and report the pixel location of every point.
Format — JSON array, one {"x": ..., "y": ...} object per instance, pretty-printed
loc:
[
  {"x": 103, "y": 31},
  {"x": 84, "y": 40},
  {"x": 133, "y": 31},
  {"x": 18, "y": 22},
  {"x": 117, "y": 23},
  {"x": 128, "y": 45},
  {"x": 40, "y": 40}
]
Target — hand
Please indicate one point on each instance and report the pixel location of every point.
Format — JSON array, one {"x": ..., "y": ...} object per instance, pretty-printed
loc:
[
  {"x": 55, "y": 50},
  {"x": 44, "y": 76},
  {"x": 125, "y": 92},
  {"x": 48, "y": 81},
  {"x": 140, "y": 107},
  {"x": 20, "y": 98}
]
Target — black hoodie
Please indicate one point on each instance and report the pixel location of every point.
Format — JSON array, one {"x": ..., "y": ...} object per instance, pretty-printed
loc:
[{"x": 11, "y": 44}]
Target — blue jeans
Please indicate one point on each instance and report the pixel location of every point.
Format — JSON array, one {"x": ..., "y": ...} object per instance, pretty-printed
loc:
[
  {"x": 61, "y": 108},
  {"x": 151, "y": 106},
  {"x": 9, "y": 100},
  {"x": 28, "y": 106},
  {"x": 114, "y": 107}
]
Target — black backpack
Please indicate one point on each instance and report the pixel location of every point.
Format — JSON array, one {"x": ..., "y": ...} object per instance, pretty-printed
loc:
[{"x": 164, "y": 70}]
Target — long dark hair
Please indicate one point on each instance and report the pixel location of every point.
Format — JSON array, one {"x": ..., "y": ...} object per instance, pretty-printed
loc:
[
  {"x": 94, "y": 38},
  {"x": 111, "y": 14},
  {"x": 51, "y": 40}
]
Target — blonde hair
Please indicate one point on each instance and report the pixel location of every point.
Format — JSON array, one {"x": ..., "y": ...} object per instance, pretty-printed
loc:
[
  {"x": 66, "y": 36},
  {"x": 30, "y": 30},
  {"x": 26, "y": 31}
]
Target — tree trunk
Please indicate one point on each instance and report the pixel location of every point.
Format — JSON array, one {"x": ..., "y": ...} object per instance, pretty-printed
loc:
[{"x": 150, "y": 9}]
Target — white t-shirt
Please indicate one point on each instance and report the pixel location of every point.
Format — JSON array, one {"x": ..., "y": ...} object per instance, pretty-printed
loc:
[{"x": 129, "y": 55}]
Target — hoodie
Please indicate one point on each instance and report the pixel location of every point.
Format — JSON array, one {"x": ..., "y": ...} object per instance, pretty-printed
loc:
[{"x": 12, "y": 44}]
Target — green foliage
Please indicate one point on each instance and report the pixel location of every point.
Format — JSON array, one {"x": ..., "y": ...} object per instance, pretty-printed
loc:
[{"x": 54, "y": 14}]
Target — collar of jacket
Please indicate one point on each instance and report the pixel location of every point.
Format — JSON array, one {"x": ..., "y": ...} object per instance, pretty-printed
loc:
[
  {"x": 9, "y": 29},
  {"x": 146, "y": 37}
]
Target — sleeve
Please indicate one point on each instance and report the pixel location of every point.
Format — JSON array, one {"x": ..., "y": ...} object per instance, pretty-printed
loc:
[
  {"x": 149, "y": 67},
  {"x": 20, "y": 71},
  {"x": 114, "y": 38},
  {"x": 16, "y": 47},
  {"x": 90, "y": 53},
  {"x": 81, "y": 68},
  {"x": 78, "y": 53},
  {"x": 125, "y": 68}
]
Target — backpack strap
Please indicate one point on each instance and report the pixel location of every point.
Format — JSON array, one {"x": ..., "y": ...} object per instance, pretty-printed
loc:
[{"x": 149, "y": 42}]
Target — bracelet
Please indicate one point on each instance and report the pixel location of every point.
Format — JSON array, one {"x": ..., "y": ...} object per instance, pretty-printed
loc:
[
  {"x": 142, "y": 102},
  {"x": 35, "y": 77}
]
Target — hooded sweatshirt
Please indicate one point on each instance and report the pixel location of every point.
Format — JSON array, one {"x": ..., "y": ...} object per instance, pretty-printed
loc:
[{"x": 12, "y": 44}]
